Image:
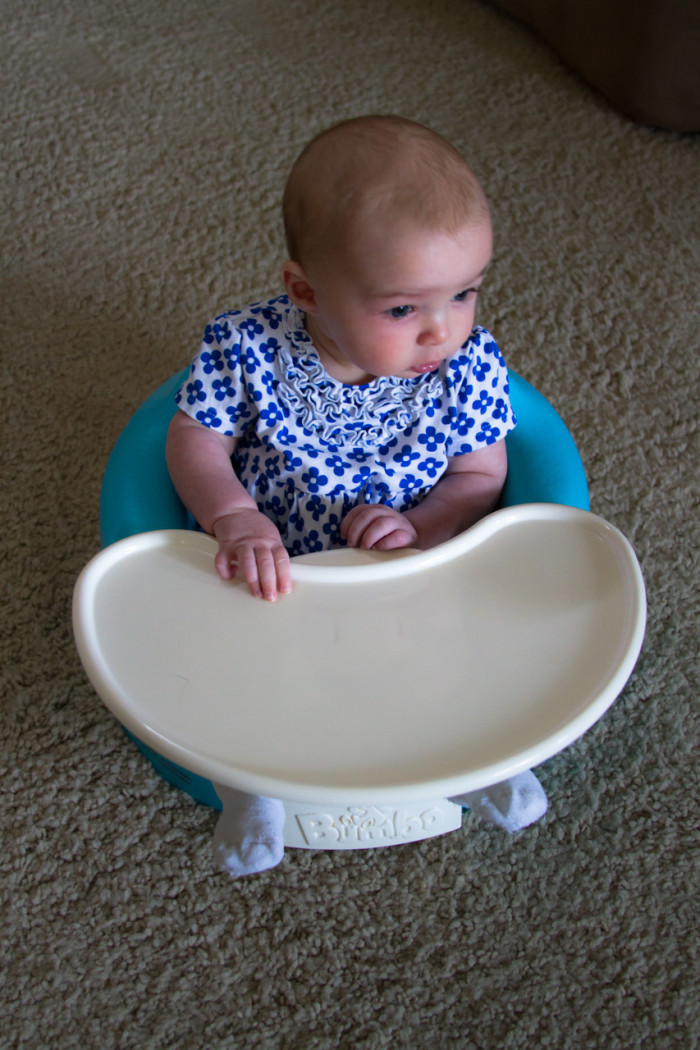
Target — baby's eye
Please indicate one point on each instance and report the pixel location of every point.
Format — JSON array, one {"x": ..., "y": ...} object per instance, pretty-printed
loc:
[
  {"x": 399, "y": 311},
  {"x": 461, "y": 297}
]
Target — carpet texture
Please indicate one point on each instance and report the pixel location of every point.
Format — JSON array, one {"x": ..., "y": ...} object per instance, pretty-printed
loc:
[{"x": 145, "y": 148}]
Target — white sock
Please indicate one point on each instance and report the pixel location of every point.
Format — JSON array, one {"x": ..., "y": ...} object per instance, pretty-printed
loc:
[
  {"x": 513, "y": 804},
  {"x": 249, "y": 835}
]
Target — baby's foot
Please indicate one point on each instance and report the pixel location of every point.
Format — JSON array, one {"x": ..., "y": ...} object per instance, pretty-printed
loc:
[
  {"x": 513, "y": 804},
  {"x": 249, "y": 835}
]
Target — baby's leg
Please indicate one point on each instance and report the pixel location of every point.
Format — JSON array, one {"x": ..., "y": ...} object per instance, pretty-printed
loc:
[
  {"x": 249, "y": 834},
  {"x": 512, "y": 804}
]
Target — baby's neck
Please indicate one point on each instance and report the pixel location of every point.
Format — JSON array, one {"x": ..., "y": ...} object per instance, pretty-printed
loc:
[{"x": 335, "y": 364}]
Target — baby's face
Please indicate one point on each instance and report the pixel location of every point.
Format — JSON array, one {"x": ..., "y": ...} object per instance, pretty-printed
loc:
[{"x": 401, "y": 303}]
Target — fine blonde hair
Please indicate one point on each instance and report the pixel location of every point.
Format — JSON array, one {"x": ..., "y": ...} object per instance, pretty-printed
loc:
[{"x": 371, "y": 169}]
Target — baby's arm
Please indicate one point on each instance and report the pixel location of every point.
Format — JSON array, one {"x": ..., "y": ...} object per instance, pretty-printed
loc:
[
  {"x": 468, "y": 490},
  {"x": 199, "y": 461}
]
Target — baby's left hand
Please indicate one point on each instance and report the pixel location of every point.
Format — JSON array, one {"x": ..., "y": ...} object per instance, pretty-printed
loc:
[{"x": 374, "y": 526}]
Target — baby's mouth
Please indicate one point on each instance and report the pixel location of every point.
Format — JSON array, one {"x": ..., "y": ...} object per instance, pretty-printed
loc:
[{"x": 429, "y": 367}]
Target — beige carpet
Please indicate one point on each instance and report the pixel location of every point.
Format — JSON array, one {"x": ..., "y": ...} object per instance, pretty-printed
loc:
[{"x": 145, "y": 147}]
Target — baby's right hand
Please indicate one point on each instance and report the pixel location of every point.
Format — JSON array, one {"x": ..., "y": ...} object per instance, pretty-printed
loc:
[{"x": 250, "y": 545}]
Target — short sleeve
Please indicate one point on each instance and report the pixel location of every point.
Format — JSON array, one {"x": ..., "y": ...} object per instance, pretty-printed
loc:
[
  {"x": 218, "y": 391},
  {"x": 478, "y": 411}
]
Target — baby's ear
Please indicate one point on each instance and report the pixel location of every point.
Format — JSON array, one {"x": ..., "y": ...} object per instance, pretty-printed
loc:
[{"x": 298, "y": 287}]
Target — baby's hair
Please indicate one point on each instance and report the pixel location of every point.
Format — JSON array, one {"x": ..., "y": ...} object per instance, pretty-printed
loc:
[{"x": 376, "y": 168}]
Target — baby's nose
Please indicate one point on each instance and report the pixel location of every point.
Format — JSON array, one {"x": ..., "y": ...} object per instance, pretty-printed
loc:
[{"x": 436, "y": 331}]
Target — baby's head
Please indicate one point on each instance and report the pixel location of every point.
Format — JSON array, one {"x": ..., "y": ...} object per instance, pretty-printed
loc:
[
  {"x": 389, "y": 236},
  {"x": 375, "y": 172}
]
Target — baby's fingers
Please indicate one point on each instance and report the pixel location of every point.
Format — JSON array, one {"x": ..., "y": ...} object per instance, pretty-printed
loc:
[
  {"x": 226, "y": 563},
  {"x": 399, "y": 538},
  {"x": 356, "y": 522},
  {"x": 377, "y": 527},
  {"x": 272, "y": 575},
  {"x": 266, "y": 571},
  {"x": 383, "y": 534}
]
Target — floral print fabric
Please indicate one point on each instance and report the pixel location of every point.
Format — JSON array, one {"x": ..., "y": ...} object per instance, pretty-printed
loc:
[{"x": 310, "y": 447}]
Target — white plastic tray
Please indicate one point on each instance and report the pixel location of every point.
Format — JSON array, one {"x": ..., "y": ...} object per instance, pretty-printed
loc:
[{"x": 380, "y": 678}]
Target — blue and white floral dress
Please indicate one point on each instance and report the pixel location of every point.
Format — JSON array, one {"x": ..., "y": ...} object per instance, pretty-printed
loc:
[{"x": 310, "y": 447}]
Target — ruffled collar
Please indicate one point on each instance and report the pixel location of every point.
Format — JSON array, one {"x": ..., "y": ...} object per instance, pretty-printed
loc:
[{"x": 368, "y": 415}]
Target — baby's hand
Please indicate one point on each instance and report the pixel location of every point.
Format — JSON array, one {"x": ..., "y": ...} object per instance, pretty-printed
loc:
[
  {"x": 250, "y": 544},
  {"x": 373, "y": 526}
]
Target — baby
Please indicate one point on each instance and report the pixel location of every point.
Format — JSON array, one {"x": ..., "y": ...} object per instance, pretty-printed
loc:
[{"x": 364, "y": 407}]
